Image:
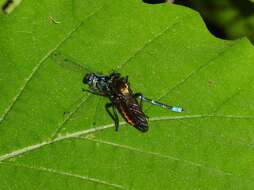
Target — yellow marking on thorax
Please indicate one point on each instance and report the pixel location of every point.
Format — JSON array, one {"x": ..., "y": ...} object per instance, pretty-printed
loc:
[{"x": 125, "y": 89}]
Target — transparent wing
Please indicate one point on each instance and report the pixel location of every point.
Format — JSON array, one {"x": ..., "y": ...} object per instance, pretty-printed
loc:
[{"x": 68, "y": 63}]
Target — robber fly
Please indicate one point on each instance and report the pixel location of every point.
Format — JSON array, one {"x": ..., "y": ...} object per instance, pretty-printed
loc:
[{"x": 117, "y": 89}]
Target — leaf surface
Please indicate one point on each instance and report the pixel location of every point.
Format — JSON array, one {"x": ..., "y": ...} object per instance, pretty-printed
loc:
[{"x": 54, "y": 136}]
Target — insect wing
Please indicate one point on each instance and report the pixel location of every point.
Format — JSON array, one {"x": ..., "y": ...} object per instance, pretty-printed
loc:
[
  {"x": 131, "y": 111},
  {"x": 68, "y": 63},
  {"x": 137, "y": 113},
  {"x": 139, "y": 117}
]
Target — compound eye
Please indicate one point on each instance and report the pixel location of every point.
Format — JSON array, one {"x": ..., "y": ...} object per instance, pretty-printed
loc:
[{"x": 87, "y": 79}]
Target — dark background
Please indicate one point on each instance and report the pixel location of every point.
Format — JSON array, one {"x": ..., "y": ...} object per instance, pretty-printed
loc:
[{"x": 226, "y": 19}]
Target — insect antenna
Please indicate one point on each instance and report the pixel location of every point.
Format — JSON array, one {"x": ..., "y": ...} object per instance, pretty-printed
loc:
[{"x": 172, "y": 108}]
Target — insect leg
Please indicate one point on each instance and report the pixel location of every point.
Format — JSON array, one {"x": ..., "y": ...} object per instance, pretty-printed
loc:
[
  {"x": 172, "y": 108},
  {"x": 114, "y": 116},
  {"x": 139, "y": 95}
]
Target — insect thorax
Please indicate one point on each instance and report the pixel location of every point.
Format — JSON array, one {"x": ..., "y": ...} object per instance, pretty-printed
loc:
[{"x": 107, "y": 85}]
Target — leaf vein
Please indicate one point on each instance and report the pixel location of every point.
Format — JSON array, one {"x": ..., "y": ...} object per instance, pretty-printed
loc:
[
  {"x": 148, "y": 42},
  {"x": 227, "y": 100},
  {"x": 30, "y": 148},
  {"x": 61, "y": 125},
  {"x": 192, "y": 73},
  {"x": 68, "y": 174},
  {"x": 37, "y": 66},
  {"x": 156, "y": 154}
]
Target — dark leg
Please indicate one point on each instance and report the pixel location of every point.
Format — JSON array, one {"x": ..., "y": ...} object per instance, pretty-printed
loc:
[
  {"x": 139, "y": 95},
  {"x": 114, "y": 115}
]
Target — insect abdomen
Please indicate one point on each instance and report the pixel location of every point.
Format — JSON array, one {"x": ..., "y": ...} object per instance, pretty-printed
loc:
[
  {"x": 143, "y": 128},
  {"x": 134, "y": 117}
]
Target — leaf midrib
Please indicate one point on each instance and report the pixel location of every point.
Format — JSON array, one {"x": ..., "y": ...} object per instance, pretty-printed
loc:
[
  {"x": 30, "y": 148},
  {"x": 93, "y": 130}
]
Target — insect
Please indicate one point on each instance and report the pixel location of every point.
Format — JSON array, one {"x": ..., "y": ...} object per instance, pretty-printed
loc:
[{"x": 122, "y": 99}]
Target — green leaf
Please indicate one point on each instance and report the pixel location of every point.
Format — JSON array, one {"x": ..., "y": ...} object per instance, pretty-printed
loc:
[{"x": 54, "y": 136}]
